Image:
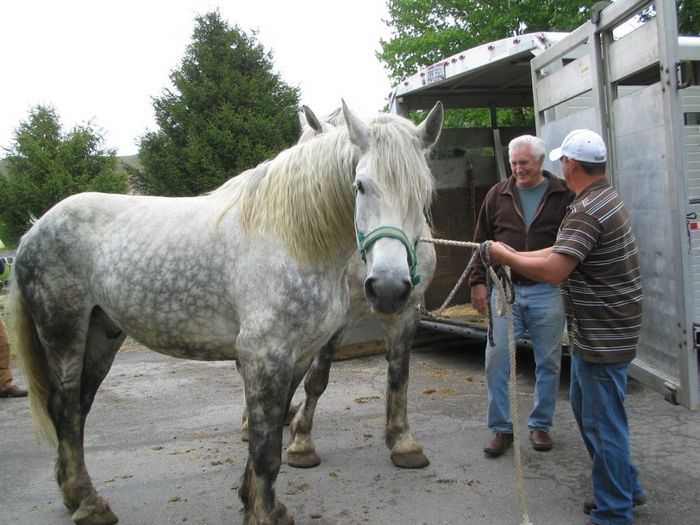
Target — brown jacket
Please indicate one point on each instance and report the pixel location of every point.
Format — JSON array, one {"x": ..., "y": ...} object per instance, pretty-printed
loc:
[{"x": 501, "y": 219}]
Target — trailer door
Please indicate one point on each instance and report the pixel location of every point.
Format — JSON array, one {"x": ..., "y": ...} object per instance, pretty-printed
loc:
[{"x": 625, "y": 86}]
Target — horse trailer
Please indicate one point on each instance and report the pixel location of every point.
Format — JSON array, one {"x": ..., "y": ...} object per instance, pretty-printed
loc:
[{"x": 635, "y": 81}]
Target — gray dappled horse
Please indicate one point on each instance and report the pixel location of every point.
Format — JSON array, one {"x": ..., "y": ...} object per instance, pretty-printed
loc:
[
  {"x": 399, "y": 330},
  {"x": 254, "y": 271}
]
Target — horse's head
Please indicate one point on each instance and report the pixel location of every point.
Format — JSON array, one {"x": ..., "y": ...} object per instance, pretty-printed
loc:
[{"x": 393, "y": 188}]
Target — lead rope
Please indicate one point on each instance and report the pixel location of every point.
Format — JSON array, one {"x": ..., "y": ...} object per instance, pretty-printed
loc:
[{"x": 506, "y": 296}]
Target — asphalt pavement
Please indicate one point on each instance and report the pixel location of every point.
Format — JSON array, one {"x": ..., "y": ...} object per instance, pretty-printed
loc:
[{"x": 163, "y": 446}]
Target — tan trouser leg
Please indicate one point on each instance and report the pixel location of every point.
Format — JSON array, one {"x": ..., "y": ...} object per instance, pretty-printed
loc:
[{"x": 5, "y": 372}]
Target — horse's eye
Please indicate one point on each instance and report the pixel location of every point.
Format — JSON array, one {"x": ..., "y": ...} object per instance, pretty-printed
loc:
[{"x": 358, "y": 187}]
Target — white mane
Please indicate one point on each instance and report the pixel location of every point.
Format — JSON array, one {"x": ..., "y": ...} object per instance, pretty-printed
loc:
[{"x": 304, "y": 195}]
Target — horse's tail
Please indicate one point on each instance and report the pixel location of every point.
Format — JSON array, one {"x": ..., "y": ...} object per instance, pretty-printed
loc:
[{"x": 25, "y": 341}]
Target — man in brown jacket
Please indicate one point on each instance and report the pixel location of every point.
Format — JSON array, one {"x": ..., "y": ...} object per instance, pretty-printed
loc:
[{"x": 524, "y": 212}]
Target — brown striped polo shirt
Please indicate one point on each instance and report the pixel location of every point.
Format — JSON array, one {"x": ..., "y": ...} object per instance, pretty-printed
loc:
[{"x": 603, "y": 294}]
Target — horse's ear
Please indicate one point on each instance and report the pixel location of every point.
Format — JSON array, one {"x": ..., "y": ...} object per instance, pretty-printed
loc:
[
  {"x": 312, "y": 120},
  {"x": 357, "y": 130},
  {"x": 429, "y": 129}
]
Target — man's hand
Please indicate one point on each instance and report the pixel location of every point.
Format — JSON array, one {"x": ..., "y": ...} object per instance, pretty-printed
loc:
[
  {"x": 498, "y": 254},
  {"x": 480, "y": 296}
]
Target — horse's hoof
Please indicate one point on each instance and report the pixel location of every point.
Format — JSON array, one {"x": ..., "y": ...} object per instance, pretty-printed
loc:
[
  {"x": 278, "y": 516},
  {"x": 245, "y": 437},
  {"x": 410, "y": 459},
  {"x": 70, "y": 505},
  {"x": 89, "y": 515},
  {"x": 308, "y": 460}
]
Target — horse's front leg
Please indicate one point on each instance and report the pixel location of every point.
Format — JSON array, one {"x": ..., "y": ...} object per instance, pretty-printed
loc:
[
  {"x": 406, "y": 452},
  {"x": 291, "y": 411},
  {"x": 302, "y": 451},
  {"x": 267, "y": 395}
]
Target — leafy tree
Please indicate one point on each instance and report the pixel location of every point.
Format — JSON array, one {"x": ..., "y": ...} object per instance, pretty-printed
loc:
[
  {"x": 688, "y": 16},
  {"x": 228, "y": 112},
  {"x": 687, "y": 12},
  {"x": 45, "y": 165},
  {"x": 426, "y": 31}
]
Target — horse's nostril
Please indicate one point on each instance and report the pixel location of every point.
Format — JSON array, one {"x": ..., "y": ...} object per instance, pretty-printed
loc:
[
  {"x": 370, "y": 292},
  {"x": 387, "y": 296},
  {"x": 403, "y": 295}
]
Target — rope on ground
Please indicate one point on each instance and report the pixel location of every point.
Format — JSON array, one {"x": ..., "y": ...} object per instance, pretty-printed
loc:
[{"x": 506, "y": 296}]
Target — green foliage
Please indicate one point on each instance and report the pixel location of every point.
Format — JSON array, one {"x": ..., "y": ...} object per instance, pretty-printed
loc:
[
  {"x": 481, "y": 118},
  {"x": 426, "y": 31},
  {"x": 44, "y": 166},
  {"x": 228, "y": 112},
  {"x": 688, "y": 16},
  {"x": 687, "y": 12}
]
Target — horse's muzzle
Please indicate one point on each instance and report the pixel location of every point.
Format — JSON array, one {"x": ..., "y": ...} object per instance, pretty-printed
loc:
[{"x": 387, "y": 296}]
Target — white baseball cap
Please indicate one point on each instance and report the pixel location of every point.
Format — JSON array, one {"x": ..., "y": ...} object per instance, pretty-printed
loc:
[{"x": 583, "y": 145}]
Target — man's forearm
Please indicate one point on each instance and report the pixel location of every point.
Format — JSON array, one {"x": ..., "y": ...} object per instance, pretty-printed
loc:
[
  {"x": 544, "y": 266},
  {"x": 538, "y": 254}
]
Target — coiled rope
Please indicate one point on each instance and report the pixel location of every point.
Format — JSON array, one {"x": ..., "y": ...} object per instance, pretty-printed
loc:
[{"x": 500, "y": 278}]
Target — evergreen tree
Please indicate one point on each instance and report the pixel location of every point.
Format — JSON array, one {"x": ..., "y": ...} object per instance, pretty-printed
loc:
[
  {"x": 44, "y": 166},
  {"x": 228, "y": 112}
]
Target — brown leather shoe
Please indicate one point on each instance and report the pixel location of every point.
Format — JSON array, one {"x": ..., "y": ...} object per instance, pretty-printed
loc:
[
  {"x": 589, "y": 504},
  {"x": 541, "y": 440},
  {"x": 498, "y": 444},
  {"x": 13, "y": 391}
]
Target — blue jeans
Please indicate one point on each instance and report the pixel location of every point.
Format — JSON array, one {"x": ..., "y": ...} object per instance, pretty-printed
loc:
[
  {"x": 538, "y": 309},
  {"x": 598, "y": 403}
]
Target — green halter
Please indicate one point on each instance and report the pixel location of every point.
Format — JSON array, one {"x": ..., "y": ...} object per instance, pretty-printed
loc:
[{"x": 364, "y": 241}]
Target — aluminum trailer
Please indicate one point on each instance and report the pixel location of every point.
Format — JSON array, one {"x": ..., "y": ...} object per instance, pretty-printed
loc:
[
  {"x": 467, "y": 162},
  {"x": 635, "y": 83}
]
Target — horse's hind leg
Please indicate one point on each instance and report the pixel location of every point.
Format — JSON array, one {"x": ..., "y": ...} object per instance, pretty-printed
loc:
[
  {"x": 103, "y": 340},
  {"x": 301, "y": 452},
  {"x": 78, "y": 364},
  {"x": 406, "y": 452}
]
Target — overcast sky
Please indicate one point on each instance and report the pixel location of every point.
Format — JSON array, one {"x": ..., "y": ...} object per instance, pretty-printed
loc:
[{"x": 104, "y": 60}]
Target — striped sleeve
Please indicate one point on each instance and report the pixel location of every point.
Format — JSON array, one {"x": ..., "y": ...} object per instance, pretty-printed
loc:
[{"x": 578, "y": 235}]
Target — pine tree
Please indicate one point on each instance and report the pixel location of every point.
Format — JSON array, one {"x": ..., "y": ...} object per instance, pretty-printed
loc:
[
  {"x": 44, "y": 166},
  {"x": 228, "y": 112}
]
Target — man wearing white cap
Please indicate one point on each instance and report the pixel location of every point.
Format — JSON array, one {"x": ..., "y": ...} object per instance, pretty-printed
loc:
[{"x": 595, "y": 259}]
